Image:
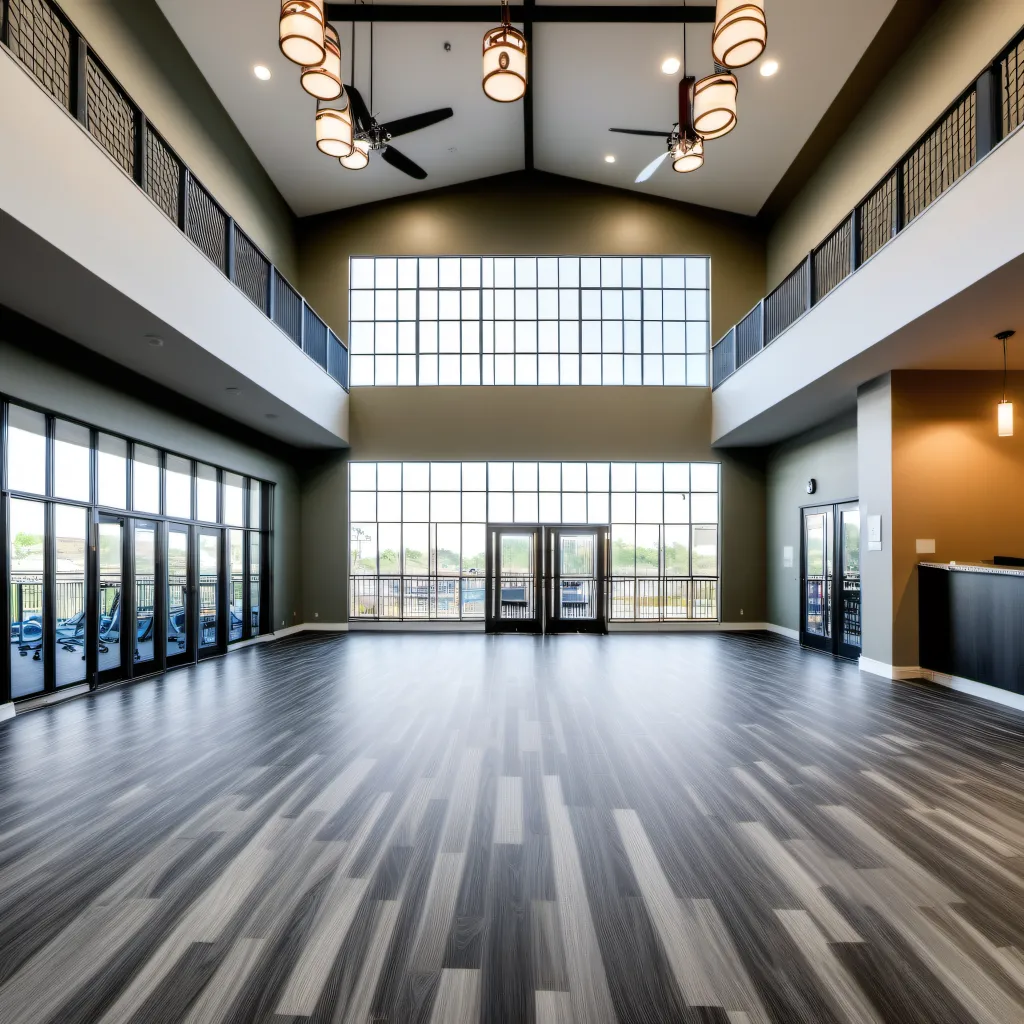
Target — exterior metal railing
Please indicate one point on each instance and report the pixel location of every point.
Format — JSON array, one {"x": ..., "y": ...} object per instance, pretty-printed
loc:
[
  {"x": 453, "y": 598},
  {"x": 46, "y": 42},
  {"x": 971, "y": 127}
]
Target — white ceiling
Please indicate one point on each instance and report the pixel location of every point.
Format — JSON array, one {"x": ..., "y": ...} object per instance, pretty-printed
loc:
[{"x": 586, "y": 79}]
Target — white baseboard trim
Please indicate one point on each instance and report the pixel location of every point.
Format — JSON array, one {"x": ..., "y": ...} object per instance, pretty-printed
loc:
[
  {"x": 6, "y": 711},
  {"x": 302, "y": 627},
  {"x": 983, "y": 690},
  {"x": 792, "y": 634},
  {"x": 414, "y": 627},
  {"x": 880, "y": 668}
]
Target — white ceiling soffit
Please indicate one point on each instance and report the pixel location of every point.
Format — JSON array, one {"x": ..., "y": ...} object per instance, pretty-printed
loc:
[{"x": 586, "y": 79}]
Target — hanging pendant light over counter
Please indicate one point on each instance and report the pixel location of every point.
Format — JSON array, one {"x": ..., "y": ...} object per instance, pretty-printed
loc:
[
  {"x": 504, "y": 61},
  {"x": 302, "y": 31},
  {"x": 323, "y": 80},
  {"x": 1004, "y": 411},
  {"x": 741, "y": 32}
]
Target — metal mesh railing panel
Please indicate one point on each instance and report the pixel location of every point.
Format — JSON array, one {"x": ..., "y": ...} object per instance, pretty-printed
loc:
[
  {"x": 314, "y": 339},
  {"x": 207, "y": 224},
  {"x": 252, "y": 270},
  {"x": 111, "y": 116},
  {"x": 723, "y": 358},
  {"x": 337, "y": 359},
  {"x": 876, "y": 219},
  {"x": 1012, "y": 77},
  {"x": 940, "y": 159},
  {"x": 39, "y": 38},
  {"x": 287, "y": 309},
  {"x": 786, "y": 304},
  {"x": 749, "y": 335},
  {"x": 163, "y": 176},
  {"x": 832, "y": 261}
]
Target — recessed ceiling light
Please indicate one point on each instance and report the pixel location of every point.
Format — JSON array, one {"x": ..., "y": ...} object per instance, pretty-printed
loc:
[
  {"x": 670, "y": 65},
  {"x": 768, "y": 68},
  {"x": 262, "y": 72},
  {"x": 233, "y": 391},
  {"x": 609, "y": 159},
  {"x": 271, "y": 415},
  {"x": 155, "y": 340}
]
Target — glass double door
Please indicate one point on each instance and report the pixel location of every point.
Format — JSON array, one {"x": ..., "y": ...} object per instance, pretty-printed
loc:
[
  {"x": 158, "y": 587},
  {"x": 546, "y": 579},
  {"x": 830, "y": 593}
]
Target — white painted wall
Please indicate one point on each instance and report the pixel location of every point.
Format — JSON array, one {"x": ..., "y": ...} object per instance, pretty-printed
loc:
[{"x": 88, "y": 254}]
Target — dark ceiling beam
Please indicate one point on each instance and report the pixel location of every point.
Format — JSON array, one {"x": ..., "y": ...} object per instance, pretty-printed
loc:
[
  {"x": 528, "y": 98},
  {"x": 522, "y": 14}
]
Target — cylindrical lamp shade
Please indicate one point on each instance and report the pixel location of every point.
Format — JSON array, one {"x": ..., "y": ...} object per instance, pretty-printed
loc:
[
  {"x": 323, "y": 80},
  {"x": 741, "y": 32},
  {"x": 714, "y": 105},
  {"x": 1005, "y": 418},
  {"x": 688, "y": 156},
  {"x": 301, "y": 31},
  {"x": 334, "y": 131},
  {"x": 504, "y": 64},
  {"x": 359, "y": 157}
]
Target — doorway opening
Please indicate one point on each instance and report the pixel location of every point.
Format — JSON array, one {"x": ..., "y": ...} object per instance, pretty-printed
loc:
[
  {"x": 830, "y": 593},
  {"x": 546, "y": 579}
]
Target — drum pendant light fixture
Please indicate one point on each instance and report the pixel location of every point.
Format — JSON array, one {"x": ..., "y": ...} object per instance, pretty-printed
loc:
[
  {"x": 323, "y": 80},
  {"x": 334, "y": 130},
  {"x": 504, "y": 78},
  {"x": 740, "y": 34},
  {"x": 688, "y": 154},
  {"x": 714, "y": 104},
  {"x": 359, "y": 157},
  {"x": 1004, "y": 411},
  {"x": 301, "y": 31}
]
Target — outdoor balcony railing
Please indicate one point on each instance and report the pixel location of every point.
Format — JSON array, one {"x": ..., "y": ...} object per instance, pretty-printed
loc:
[
  {"x": 981, "y": 117},
  {"x": 46, "y": 42}
]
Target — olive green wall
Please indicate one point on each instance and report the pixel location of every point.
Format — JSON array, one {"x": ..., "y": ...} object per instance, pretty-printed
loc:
[
  {"x": 826, "y": 454},
  {"x": 532, "y": 215},
  {"x": 953, "y": 47},
  {"x": 42, "y": 369},
  {"x": 135, "y": 41},
  {"x": 536, "y": 214}
]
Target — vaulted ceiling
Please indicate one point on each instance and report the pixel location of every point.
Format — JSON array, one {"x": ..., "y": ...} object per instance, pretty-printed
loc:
[{"x": 586, "y": 78}]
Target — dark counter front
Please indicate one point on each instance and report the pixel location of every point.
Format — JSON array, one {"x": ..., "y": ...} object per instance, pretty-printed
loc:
[{"x": 971, "y": 623}]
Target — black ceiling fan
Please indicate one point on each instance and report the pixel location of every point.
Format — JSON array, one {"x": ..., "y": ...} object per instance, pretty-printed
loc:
[{"x": 379, "y": 135}]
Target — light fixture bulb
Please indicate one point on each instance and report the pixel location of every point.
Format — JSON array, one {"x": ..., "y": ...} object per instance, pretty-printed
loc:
[
  {"x": 1005, "y": 419},
  {"x": 670, "y": 65},
  {"x": 262, "y": 72},
  {"x": 769, "y": 68},
  {"x": 688, "y": 156},
  {"x": 302, "y": 31},
  {"x": 714, "y": 105},
  {"x": 609, "y": 159},
  {"x": 323, "y": 80},
  {"x": 334, "y": 131}
]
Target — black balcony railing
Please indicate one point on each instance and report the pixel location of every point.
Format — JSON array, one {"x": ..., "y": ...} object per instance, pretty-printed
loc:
[
  {"x": 980, "y": 118},
  {"x": 43, "y": 38}
]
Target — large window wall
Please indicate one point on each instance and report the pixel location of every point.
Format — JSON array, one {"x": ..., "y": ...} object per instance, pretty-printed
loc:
[
  {"x": 94, "y": 524},
  {"x": 417, "y": 532},
  {"x": 529, "y": 320}
]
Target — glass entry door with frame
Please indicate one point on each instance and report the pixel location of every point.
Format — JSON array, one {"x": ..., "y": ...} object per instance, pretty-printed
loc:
[
  {"x": 830, "y": 579},
  {"x": 111, "y": 565},
  {"x": 180, "y": 599},
  {"x": 513, "y": 595},
  {"x": 576, "y": 557},
  {"x": 212, "y": 635}
]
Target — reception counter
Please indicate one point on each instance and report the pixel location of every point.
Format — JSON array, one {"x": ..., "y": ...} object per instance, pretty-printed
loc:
[{"x": 971, "y": 622}]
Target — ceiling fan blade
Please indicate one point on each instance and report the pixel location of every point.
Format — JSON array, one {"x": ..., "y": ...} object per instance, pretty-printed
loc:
[
  {"x": 650, "y": 168},
  {"x": 404, "y": 125},
  {"x": 640, "y": 131},
  {"x": 359, "y": 109},
  {"x": 402, "y": 163}
]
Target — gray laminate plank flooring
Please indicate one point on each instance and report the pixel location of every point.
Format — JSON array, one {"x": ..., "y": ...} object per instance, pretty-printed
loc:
[{"x": 449, "y": 829}]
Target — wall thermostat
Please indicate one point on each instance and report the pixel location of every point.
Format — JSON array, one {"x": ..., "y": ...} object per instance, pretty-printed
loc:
[{"x": 812, "y": 485}]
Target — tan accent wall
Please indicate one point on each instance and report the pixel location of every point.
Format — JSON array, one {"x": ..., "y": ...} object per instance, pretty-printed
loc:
[
  {"x": 955, "y": 481},
  {"x": 534, "y": 215},
  {"x": 952, "y": 49},
  {"x": 135, "y": 41}
]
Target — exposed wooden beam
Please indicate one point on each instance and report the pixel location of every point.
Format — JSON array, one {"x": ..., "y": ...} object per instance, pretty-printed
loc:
[{"x": 522, "y": 14}]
